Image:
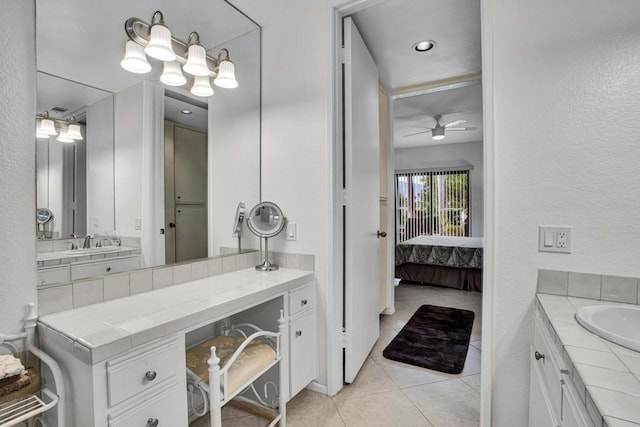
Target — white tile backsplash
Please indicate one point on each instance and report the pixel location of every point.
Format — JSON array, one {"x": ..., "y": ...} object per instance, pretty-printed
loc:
[
  {"x": 620, "y": 289},
  {"x": 584, "y": 285},
  {"x": 56, "y": 298},
  {"x": 116, "y": 286},
  {"x": 553, "y": 282},
  {"x": 87, "y": 292},
  {"x": 140, "y": 281}
]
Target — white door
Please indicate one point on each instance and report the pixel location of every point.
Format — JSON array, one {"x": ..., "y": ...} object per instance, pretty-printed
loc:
[{"x": 362, "y": 201}]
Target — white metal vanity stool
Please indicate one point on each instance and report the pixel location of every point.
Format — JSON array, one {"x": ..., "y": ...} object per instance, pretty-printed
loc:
[{"x": 225, "y": 366}]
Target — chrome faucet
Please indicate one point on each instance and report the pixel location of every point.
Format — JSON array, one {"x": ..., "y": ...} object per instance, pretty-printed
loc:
[{"x": 87, "y": 242}]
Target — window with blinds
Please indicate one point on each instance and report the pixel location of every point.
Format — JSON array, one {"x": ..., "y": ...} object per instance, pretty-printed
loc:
[{"x": 432, "y": 203}]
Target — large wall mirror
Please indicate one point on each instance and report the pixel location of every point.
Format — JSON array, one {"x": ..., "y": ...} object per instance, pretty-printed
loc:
[{"x": 157, "y": 166}]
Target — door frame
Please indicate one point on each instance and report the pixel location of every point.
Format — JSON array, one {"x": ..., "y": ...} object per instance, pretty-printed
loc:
[{"x": 336, "y": 10}]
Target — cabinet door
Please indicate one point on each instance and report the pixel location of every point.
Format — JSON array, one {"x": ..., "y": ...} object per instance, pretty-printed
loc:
[
  {"x": 540, "y": 409},
  {"x": 574, "y": 414},
  {"x": 165, "y": 408},
  {"x": 302, "y": 361}
]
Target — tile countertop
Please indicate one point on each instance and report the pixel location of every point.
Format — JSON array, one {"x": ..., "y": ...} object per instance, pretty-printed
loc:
[
  {"x": 606, "y": 375},
  {"x": 96, "y": 332},
  {"x": 71, "y": 257}
]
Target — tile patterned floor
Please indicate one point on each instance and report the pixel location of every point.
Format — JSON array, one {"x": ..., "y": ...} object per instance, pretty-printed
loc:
[{"x": 388, "y": 393}]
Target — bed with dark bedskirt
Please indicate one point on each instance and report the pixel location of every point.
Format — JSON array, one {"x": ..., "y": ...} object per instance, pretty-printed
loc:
[{"x": 454, "y": 262}]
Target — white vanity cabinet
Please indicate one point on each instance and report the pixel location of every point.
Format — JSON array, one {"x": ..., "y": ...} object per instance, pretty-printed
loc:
[
  {"x": 302, "y": 338},
  {"x": 553, "y": 398}
]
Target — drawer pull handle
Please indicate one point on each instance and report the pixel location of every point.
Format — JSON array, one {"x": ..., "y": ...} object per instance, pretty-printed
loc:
[
  {"x": 152, "y": 422},
  {"x": 538, "y": 355},
  {"x": 304, "y": 302},
  {"x": 150, "y": 375},
  {"x": 298, "y": 333},
  {"x": 108, "y": 268}
]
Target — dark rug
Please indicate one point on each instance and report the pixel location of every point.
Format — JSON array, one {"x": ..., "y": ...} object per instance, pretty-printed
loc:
[{"x": 434, "y": 338}]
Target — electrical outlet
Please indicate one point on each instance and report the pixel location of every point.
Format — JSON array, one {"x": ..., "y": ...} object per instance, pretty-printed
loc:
[{"x": 554, "y": 239}]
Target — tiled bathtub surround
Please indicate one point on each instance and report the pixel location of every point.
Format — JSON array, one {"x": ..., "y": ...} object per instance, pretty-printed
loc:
[
  {"x": 592, "y": 286},
  {"x": 61, "y": 297},
  {"x": 606, "y": 375}
]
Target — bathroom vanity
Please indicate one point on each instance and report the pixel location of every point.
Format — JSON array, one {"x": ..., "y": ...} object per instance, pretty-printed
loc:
[
  {"x": 124, "y": 360},
  {"x": 577, "y": 378}
]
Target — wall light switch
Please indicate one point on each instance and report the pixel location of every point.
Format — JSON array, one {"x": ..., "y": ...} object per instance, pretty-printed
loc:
[
  {"x": 292, "y": 233},
  {"x": 554, "y": 239},
  {"x": 138, "y": 224}
]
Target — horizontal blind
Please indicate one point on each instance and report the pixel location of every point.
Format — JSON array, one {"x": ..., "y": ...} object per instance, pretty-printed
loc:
[{"x": 432, "y": 203}]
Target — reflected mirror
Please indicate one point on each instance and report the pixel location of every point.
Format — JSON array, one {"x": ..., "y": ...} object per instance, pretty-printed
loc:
[{"x": 152, "y": 170}]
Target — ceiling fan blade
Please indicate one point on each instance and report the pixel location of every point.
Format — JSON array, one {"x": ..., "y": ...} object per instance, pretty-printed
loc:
[
  {"x": 457, "y": 122},
  {"x": 417, "y": 133},
  {"x": 469, "y": 128}
]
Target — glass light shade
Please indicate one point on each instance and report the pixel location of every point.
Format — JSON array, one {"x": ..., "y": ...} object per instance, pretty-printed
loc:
[
  {"x": 47, "y": 127},
  {"x": 196, "y": 61},
  {"x": 172, "y": 75},
  {"x": 201, "y": 86},
  {"x": 437, "y": 133},
  {"x": 159, "y": 46},
  {"x": 64, "y": 137},
  {"x": 226, "y": 75},
  {"x": 74, "y": 132},
  {"x": 41, "y": 135},
  {"x": 134, "y": 59}
]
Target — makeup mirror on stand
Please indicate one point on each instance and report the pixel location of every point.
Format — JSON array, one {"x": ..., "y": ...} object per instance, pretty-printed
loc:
[
  {"x": 266, "y": 220},
  {"x": 237, "y": 225}
]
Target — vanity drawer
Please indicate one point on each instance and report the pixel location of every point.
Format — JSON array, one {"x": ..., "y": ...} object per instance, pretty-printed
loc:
[
  {"x": 164, "y": 408},
  {"x": 57, "y": 274},
  {"x": 108, "y": 266},
  {"x": 302, "y": 352},
  {"x": 299, "y": 299},
  {"x": 143, "y": 368}
]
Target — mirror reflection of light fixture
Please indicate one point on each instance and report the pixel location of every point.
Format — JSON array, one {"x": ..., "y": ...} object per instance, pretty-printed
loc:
[
  {"x": 201, "y": 86},
  {"x": 134, "y": 59},
  {"x": 159, "y": 46},
  {"x": 69, "y": 129},
  {"x": 191, "y": 55},
  {"x": 172, "y": 75}
]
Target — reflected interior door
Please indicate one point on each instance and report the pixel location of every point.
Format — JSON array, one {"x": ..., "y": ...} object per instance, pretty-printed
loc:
[
  {"x": 361, "y": 115},
  {"x": 185, "y": 193}
]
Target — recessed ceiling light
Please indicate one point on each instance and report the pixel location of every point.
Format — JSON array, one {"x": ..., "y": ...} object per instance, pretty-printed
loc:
[
  {"x": 424, "y": 45},
  {"x": 186, "y": 112}
]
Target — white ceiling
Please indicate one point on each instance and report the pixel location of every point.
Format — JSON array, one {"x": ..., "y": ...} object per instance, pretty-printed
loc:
[{"x": 390, "y": 29}]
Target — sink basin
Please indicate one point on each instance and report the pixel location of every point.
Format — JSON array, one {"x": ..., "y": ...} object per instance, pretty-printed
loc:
[
  {"x": 615, "y": 323},
  {"x": 91, "y": 251}
]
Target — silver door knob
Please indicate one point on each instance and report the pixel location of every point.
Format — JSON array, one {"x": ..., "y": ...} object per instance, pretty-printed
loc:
[
  {"x": 538, "y": 355},
  {"x": 150, "y": 375},
  {"x": 152, "y": 422},
  {"x": 298, "y": 333},
  {"x": 382, "y": 234}
]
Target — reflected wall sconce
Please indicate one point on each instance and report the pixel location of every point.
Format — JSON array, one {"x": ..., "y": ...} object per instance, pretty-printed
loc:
[
  {"x": 67, "y": 130},
  {"x": 156, "y": 41}
]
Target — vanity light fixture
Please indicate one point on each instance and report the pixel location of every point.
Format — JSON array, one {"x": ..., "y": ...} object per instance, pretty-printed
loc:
[
  {"x": 155, "y": 40},
  {"x": 437, "y": 133},
  {"x": 69, "y": 129}
]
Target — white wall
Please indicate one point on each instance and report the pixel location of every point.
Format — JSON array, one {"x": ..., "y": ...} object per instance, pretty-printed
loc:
[
  {"x": 17, "y": 163},
  {"x": 445, "y": 156},
  {"x": 566, "y": 103},
  {"x": 100, "y": 188},
  {"x": 128, "y": 159},
  {"x": 295, "y": 140}
]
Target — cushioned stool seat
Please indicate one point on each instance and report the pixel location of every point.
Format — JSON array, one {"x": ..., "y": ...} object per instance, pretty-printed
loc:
[{"x": 252, "y": 360}]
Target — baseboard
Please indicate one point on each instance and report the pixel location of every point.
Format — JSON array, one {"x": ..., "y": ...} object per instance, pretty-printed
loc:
[
  {"x": 317, "y": 387},
  {"x": 389, "y": 310}
]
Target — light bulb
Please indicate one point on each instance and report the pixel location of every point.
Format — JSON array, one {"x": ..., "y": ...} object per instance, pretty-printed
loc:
[
  {"x": 74, "y": 132},
  {"x": 134, "y": 59},
  {"x": 47, "y": 127},
  {"x": 196, "y": 61},
  {"x": 159, "y": 46},
  {"x": 226, "y": 75},
  {"x": 172, "y": 75},
  {"x": 201, "y": 86}
]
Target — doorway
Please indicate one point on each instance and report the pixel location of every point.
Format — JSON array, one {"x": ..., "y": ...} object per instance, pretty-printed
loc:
[{"x": 397, "y": 90}]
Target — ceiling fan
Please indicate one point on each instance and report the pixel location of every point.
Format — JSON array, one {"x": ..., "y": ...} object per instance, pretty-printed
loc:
[{"x": 437, "y": 132}]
